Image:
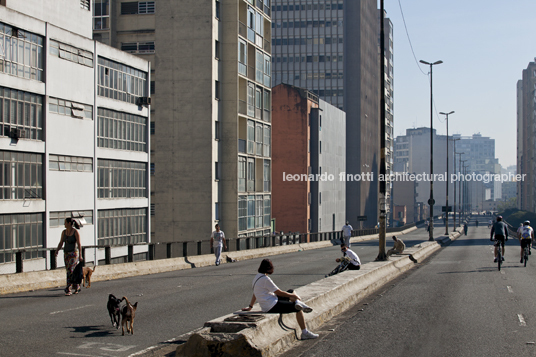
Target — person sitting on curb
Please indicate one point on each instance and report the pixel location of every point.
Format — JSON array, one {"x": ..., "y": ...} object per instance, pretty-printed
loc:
[
  {"x": 398, "y": 247},
  {"x": 355, "y": 263},
  {"x": 274, "y": 301}
]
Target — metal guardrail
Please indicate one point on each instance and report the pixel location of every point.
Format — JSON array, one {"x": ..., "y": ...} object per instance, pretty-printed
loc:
[{"x": 199, "y": 247}]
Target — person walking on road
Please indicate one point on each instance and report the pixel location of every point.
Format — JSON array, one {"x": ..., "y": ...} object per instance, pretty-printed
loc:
[
  {"x": 217, "y": 241},
  {"x": 500, "y": 229},
  {"x": 346, "y": 233},
  {"x": 275, "y": 301},
  {"x": 71, "y": 256},
  {"x": 398, "y": 247},
  {"x": 526, "y": 236},
  {"x": 465, "y": 228}
]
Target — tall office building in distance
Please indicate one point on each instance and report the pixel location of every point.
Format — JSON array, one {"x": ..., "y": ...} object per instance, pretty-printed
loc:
[
  {"x": 212, "y": 104},
  {"x": 331, "y": 49}
]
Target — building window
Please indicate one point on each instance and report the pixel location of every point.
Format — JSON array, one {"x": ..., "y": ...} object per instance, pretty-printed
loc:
[
  {"x": 267, "y": 210},
  {"x": 217, "y": 171},
  {"x": 251, "y": 212},
  {"x": 21, "y": 110},
  {"x": 101, "y": 14},
  {"x": 152, "y": 128},
  {"x": 217, "y": 90},
  {"x": 70, "y": 163},
  {"x": 121, "y": 131},
  {"x": 71, "y": 53},
  {"x": 251, "y": 137},
  {"x": 259, "y": 209},
  {"x": 57, "y": 219},
  {"x": 217, "y": 211},
  {"x": 117, "y": 81},
  {"x": 21, "y": 53},
  {"x": 217, "y": 49},
  {"x": 138, "y": 47},
  {"x": 121, "y": 179},
  {"x": 153, "y": 209},
  {"x": 69, "y": 108},
  {"x": 152, "y": 168},
  {"x": 122, "y": 226},
  {"x": 258, "y": 138},
  {"x": 242, "y": 213},
  {"x": 267, "y": 141},
  {"x": 18, "y": 231},
  {"x": 242, "y": 174},
  {"x": 266, "y": 176},
  {"x": 21, "y": 175},
  {"x": 153, "y": 87},
  {"x": 242, "y": 57},
  {"x": 218, "y": 9},
  {"x": 217, "y": 130},
  {"x": 137, "y": 8},
  {"x": 251, "y": 175}
]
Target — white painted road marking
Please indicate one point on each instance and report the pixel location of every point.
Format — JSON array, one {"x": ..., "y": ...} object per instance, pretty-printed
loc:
[
  {"x": 521, "y": 320},
  {"x": 509, "y": 289},
  {"x": 76, "y": 308}
]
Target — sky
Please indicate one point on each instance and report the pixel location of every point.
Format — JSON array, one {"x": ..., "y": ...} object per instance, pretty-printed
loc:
[{"x": 484, "y": 46}]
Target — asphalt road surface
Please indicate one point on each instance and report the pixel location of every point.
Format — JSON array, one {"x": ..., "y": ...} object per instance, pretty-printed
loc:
[
  {"x": 47, "y": 323},
  {"x": 455, "y": 304}
]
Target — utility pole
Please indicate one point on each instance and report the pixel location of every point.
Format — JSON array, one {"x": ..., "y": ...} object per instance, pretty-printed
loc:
[{"x": 382, "y": 254}]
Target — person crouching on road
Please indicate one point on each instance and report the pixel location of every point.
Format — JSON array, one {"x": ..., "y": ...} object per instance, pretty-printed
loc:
[
  {"x": 398, "y": 247},
  {"x": 355, "y": 263},
  {"x": 274, "y": 301},
  {"x": 217, "y": 241}
]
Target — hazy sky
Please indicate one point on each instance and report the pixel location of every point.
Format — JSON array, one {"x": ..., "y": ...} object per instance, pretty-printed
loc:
[{"x": 484, "y": 46}]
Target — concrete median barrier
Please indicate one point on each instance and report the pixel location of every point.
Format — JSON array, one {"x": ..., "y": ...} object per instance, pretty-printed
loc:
[
  {"x": 328, "y": 297},
  {"x": 28, "y": 281}
]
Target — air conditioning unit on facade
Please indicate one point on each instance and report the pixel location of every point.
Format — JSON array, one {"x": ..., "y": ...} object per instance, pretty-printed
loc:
[
  {"x": 145, "y": 101},
  {"x": 17, "y": 133}
]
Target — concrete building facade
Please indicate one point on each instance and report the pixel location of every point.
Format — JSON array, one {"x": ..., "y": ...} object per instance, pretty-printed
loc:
[
  {"x": 74, "y": 135},
  {"x": 211, "y": 108},
  {"x": 331, "y": 49},
  {"x": 309, "y": 139},
  {"x": 412, "y": 153}
]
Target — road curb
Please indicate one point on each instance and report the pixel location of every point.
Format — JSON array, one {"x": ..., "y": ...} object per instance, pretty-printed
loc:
[
  {"x": 47, "y": 279},
  {"x": 328, "y": 297}
]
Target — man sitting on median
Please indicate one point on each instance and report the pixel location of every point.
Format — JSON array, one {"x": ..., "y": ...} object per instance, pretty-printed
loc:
[
  {"x": 398, "y": 247},
  {"x": 355, "y": 263}
]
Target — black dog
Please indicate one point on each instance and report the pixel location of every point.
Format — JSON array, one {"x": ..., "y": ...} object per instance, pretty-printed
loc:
[{"x": 114, "y": 309}]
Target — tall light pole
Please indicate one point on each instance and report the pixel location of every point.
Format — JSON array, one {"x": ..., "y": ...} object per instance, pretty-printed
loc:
[
  {"x": 458, "y": 179},
  {"x": 448, "y": 179},
  {"x": 461, "y": 186},
  {"x": 431, "y": 200}
]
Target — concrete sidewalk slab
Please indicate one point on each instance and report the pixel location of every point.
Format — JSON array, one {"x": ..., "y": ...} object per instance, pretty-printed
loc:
[{"x": 328, "y": 297}]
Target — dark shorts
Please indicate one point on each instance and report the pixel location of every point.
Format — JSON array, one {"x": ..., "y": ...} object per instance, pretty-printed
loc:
[
  {"x": 499, "y": 240},
  {"x": 525, "y": 243},
  {"x": 353, "y": 267},
  {"x": 283, "y": 307}
]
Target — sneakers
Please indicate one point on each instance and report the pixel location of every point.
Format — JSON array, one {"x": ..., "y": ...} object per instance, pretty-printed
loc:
[
  {"x": 308, "y": 335},
  {"x": 300, "y": 306},
  {"x": 521, "y": 261},
  {"x": 502, "y": 259},
  {"x": 495, "y": 260}
]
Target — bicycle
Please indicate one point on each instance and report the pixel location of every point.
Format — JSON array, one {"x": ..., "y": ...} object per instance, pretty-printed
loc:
[
  {"x": 525, "y": 255},
  {"x": 499, "y": 254}
]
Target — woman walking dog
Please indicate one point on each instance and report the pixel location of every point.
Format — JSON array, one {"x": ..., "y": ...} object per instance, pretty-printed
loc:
[{"x": 71, "y": 238}]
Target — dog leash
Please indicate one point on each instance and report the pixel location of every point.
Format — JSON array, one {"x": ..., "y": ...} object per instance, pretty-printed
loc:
[{"x": 285, "y": 327}]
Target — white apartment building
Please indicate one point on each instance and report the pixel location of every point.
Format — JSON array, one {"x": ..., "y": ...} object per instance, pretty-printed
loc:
[{"x": 73, "y": 135}]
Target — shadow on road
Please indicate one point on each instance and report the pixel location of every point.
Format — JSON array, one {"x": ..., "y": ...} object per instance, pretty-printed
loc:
[{"x": 93, "y": 331}]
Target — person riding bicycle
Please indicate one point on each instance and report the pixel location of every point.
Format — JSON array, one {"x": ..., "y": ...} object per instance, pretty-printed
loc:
[
  {"x": 490, "y": 222},
  {"x": 355, "y": 263},
  {"x": 526, "y": 236},
  {"x": 500, "y": 229}
]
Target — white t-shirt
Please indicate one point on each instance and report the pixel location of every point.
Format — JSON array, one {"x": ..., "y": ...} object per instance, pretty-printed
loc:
[
  {"x": 347, "y": 230},
  {"x": 218, "y": 238},
  {"x": 355, "y": 259},
  {"x": 526, "y": 232},
  {"x": 264, "y": 288}
]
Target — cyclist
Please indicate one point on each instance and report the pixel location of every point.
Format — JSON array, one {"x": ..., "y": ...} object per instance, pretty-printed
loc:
[
  {"x": 526, "y": 236},
  {"x": 490, "y": 223},
  {"x": 500, "y": 229}
]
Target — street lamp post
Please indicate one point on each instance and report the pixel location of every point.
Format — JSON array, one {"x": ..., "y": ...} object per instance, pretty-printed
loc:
[
  {"x": 448, "y": 180},
  {"x": 431, "y": 200},
  {"x": 458, "y": 179},
  {"x": 461, "y": 203}
]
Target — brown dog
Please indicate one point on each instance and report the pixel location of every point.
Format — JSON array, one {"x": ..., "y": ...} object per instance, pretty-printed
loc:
[
  {"x": 127, "y": 314},
  {"x": 87, "y": 276}
]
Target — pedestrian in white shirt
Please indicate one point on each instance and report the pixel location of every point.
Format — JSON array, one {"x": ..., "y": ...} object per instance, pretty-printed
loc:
[
  {"x": 347, "y": 233},
  {"x": 274, "y": 301},
  {"x": 217, "y": 241},
  {"x": 355, "y": 263}
]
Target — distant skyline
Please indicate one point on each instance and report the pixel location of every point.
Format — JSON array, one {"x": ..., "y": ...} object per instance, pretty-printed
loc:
[{"x": 484, "y": 45}]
